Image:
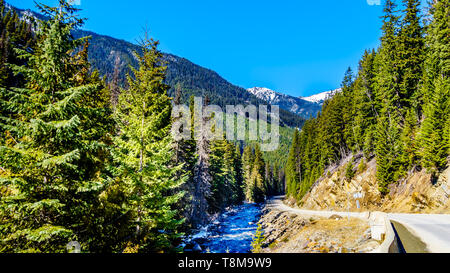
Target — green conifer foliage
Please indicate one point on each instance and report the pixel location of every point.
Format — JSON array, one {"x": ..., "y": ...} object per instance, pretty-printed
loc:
[
  {"x": 434, "y": 133},
  {"x": 396, "y": 109},
  {"x": 248, "y": 158},
  {"x": 144, "y": 154},
  {"x": 292, "y": 167},
  {"x": 365, "y": 103},
  {"x": 257, "y": 176},
  {"x": 411, "y": 55},
  {"x": 53, "y": 155},
  {"x": 227, "y": 184}
]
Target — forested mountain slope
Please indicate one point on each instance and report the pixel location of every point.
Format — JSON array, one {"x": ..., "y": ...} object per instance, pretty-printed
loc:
[
  {"x": 112, "y": 58},
  {"x": 395, "y": 112}
]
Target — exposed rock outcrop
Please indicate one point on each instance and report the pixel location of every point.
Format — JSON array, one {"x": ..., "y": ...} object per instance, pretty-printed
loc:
[{"x": 415, "y": 193}]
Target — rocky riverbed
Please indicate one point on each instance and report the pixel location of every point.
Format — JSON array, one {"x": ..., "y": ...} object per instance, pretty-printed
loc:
[
  {"x": 286, "y": 232},
  {"x": 231, "y": 232}
]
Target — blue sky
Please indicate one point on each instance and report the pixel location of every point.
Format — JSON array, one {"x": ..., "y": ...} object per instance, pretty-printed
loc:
[{"x": 297, "y": 47}]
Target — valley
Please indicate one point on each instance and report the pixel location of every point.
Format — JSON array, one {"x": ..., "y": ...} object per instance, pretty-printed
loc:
[{"x": 115, "y": 147}]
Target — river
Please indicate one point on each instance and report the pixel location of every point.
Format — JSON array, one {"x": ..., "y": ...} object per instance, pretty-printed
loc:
[{"x": 231, "y": 232}]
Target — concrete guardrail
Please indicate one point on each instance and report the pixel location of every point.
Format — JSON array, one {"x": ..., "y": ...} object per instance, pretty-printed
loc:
[{"x": 381, "y": 229}]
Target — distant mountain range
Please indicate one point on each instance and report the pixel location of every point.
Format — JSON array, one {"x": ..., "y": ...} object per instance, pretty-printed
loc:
[
  {"x": 106, "y": 53},
  {"x": 305, "y": 107}
]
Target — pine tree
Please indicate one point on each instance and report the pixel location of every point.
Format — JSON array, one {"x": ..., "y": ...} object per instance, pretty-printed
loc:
[
  {"x": 14, "y": 33},
  {"x": 239, "y": 174},
  {"x": 257, "y": 176},
  {"x": 409, "y": 155},
  {"x": 348, "y": 111},
  {"x": 248, "y": 158},
  {"x": 365, "y": 103},
  {"x": 437, "y": 64},
  {"x": 434, "y": 132},
  {"x": 332, "y": 131},
  {"x": 53, "y": 157},
  {"x": 349, "y": 172},
  {"x": 387, "y": 59},
  {"x": 278, "y": 188},
  {"x": 388, "y": 145},
  {"x": 293, "y": 177},
  {"x": 220, "y": 187},
  {"x": 144, "y": 153},
  {"x": 268, "y": 177},
  {"x": 411, "y": 54},
  {"x": 387, "y": 151}
]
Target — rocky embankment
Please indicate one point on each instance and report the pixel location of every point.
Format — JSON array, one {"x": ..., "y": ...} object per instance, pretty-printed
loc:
[
  {"x": 418, "y": 192},
  {"x": 286, "y": 232}
]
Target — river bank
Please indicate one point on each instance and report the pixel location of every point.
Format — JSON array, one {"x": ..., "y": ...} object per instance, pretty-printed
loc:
[{"x": 287, "y": 232}]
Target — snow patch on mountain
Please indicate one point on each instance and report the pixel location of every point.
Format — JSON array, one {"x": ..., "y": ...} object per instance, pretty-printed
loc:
[
  {"x": 295, "y": 105},
  {"x": 322, "y": 97},
  {"x": 263, "y": 93}
]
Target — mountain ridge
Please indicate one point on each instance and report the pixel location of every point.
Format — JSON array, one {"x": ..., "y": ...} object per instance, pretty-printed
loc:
[
  {"x": 107, "y": 53},
  {"x": 305, "y": 107},
  {"x": 320, "y": 98}
]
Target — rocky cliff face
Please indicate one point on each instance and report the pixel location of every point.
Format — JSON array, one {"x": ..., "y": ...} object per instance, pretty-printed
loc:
[{"x": 414, "y": 194}]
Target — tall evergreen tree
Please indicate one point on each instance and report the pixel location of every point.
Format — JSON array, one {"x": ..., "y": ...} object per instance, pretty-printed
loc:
[
  {"x": 411, "y": 55},
  {"x": 257, "y": 176},
  {"x": 366, "y": 111},
  {"x": 348, "y": 111},
  {"x": 248, "y": 158},
  {"x": 388, "y": 146},
  {"x": 293, "y": 177},
  {"x": 144, "y": 154},
  {"x": 434, "y": 133},
  {"x": 53, "y": 157},
  {"x": 239, "y": 173}
]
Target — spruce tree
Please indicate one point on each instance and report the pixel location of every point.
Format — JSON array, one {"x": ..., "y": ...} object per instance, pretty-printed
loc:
[
  {"x": 292, "y": 170},
  {"x": 437, "y": 64},
  {"x": 388, "y": 145},
  {"x": 411, "y": 55},
  {"x": 248, "y": 159},
  {"x": 239, "y": 173},
  {"x": 226, "y": 170},
  {"x": 144, "y": 154},
  {"x": 434, "y": 132},
  {"x": 408, "y": 156},
  {"x": 257, "y": 176},
  {"x": 365, "y": 103},
  {"x": 53, "y": 156},
  {"x": 348, "y": 111}
]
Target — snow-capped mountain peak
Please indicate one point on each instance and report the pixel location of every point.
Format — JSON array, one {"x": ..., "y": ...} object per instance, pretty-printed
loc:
[
  {"x": 263, "y": 93},
  {"x": 292, "y": 104},
  {"x": 322, "y": 97}
]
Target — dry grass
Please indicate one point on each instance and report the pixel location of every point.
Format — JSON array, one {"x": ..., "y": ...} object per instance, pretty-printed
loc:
[
  {"x": 319, "y": 235},
  {"x": 346, "y": 231}
]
